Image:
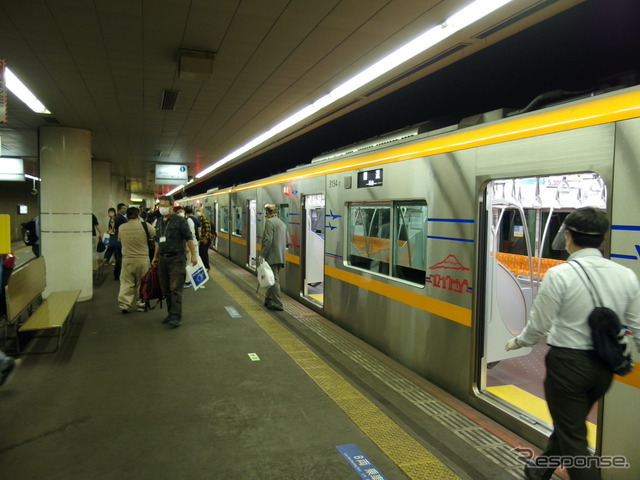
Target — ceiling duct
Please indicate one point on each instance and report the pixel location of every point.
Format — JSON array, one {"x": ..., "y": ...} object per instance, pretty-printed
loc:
[
  {"x": 169, "y": 99},
  {"x": 195, "y": 65}
]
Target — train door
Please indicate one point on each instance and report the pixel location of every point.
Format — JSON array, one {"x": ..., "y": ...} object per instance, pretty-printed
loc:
[
  {"x": 253, "y": 234},
  {"x": 521, "y": 219},
  {"x": 313, "y": 248},
  {"x": 211, "y": 212},
  {"x": 214, "y": 219}
]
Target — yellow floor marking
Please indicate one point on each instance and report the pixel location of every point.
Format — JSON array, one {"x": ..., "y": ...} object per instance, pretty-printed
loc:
[
  {"x": 411, "y": 457},
  {"x": 319, "y": 297},
  {"x": 535, "y": 406}
]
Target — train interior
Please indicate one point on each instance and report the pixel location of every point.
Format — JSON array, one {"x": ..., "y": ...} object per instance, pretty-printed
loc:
[
  {"x": 523, "y": 215},
  {"x": 313, "y": 261},
  {"x": 375, "y": 246}
]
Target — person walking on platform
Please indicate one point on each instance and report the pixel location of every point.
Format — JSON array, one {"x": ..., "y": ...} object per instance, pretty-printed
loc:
[
  {"x": 172, "y": 232},
  {"x": 135, "y": 259},
  {"x": 205, "y": 238},
  {"x": 575, "y": 378},
  {"x": 274, "y": 245},
  {"x": 111, "y": 230},
  {"x": 96, "y": 234},
  {"x": 120, "y": 219}
]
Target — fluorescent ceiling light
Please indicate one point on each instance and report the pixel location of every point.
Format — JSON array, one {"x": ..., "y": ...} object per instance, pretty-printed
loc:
[
  {"x": 456, "y": 22},
  {"x": 31, "y": 177},
  {"x": 171, "y": 192},
  {"x": 20, "y": 90}
]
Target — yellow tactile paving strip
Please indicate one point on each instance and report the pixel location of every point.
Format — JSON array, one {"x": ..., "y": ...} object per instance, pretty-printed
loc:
[{"x": 411, "y": 457}]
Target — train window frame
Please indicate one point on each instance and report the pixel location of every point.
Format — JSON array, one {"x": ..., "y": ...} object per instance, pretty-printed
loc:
[
  {"x": 224, "y": 219},
  {"x": 237, "y": 212},
  {"x": 414, "y": 247},
  {"x": 390, "y": 236},
  {"x": 283, "y": 213}
]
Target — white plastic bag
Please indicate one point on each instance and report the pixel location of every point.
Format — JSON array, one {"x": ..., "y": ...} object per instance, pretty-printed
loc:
[
  {"x": 265, "y": 274},
  {"x": 197, "y": 275}
]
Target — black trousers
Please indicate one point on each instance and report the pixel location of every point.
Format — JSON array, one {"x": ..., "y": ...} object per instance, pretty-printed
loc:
[
  {"x": 203, "y": 251},
  {"x": 173, "y": 272},
  {"x": 575, "y": 381}
]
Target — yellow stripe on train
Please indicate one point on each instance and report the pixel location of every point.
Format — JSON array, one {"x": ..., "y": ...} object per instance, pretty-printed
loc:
[{"x": 446, "y": 310}]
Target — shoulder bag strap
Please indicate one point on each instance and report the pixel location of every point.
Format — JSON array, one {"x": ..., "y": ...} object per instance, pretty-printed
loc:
[
  {"x": 144, "y": 225},
  {"x": 592, "y": 291}
]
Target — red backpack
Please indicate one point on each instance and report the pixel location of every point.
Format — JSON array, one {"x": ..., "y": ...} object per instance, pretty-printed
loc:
[{"x": 150, "y": 288}]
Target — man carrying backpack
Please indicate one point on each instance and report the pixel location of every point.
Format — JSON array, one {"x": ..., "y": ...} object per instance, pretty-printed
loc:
[{"x": 576, "y": 378}]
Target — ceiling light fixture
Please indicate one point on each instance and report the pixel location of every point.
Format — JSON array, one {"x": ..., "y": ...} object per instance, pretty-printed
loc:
[
  {"x": 171, "y": 192},
  {"x": 456, "y": 22},
  {"x": 21, "y": 91}
]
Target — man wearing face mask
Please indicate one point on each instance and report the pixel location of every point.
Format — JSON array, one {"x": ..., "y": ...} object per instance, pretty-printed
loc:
[
  {"x": 575, "y": 377},
  {"x": 172, "y": 232}
]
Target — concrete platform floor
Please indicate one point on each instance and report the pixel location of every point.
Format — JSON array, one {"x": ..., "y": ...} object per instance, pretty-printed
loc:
[{"x": 128, "y": 398}]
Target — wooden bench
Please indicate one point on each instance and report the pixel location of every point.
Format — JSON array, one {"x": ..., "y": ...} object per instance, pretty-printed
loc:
[
  {"x": 98, "y": 268},
  {"x": 26, "y": 309}
]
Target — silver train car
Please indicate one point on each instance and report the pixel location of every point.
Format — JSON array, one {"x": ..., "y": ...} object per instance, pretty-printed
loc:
[{"x": 430, "y": 247}]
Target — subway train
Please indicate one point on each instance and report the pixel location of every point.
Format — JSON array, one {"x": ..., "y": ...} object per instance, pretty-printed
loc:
[{"x": 430, "y": 245}]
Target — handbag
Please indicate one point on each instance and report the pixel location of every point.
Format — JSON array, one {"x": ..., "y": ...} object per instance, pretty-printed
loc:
[
  {"x": 197, "y": 275},
  {"x": 265, "y": 275},
  {"x": 101, "y": 247}
]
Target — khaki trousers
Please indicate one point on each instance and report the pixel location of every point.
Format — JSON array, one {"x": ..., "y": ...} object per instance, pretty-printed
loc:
[{"x": 132, "y": 271}]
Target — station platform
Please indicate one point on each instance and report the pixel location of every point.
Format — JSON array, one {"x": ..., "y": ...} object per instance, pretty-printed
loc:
[{"x": 236, "y": 392}]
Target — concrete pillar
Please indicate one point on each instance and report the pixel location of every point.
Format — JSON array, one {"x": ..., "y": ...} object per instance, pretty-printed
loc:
[
  {"x": 119, "y": 192},
  {"x": 101, "y": 192},
  {"x": 65, "y": 209}
]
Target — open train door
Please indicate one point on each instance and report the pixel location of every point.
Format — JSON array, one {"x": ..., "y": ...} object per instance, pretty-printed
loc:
[
  {"x": 253, "y": 234},
  {"x": 313, "y": 248},
  {"x": 520, "y": 219}
]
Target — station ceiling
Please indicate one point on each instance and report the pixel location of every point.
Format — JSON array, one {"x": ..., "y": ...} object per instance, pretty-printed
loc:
[{"x": 107, "y": 65}]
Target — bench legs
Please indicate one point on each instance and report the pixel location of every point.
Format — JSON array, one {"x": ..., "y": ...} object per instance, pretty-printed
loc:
[{"x": 61, "y": 331}]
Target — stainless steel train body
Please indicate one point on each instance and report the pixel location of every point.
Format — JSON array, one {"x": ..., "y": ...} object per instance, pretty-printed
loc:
[{"x": 418, "y": 238}]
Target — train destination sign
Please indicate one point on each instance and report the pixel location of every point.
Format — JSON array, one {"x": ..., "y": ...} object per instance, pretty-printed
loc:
[{"x": 370, "y": 178}]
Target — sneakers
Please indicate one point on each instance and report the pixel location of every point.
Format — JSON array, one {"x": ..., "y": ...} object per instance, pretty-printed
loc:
[
  {"x": 141, "y": 307},
  {"x": 7, "y": 374},
  {"x": 171, "y": 318},
  {"x": 174, "y": 322}
]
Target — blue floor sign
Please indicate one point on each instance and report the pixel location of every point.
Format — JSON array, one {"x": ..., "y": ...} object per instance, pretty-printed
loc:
[{"x": 361, "y": 464}]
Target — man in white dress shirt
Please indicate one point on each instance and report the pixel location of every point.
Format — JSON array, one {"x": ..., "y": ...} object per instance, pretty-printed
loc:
[{"x": 575, "y": 378}]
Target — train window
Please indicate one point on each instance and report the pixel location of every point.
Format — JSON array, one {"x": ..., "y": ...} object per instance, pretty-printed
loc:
[
  {"x": 224, "y": 220},
  {"x": 283, "y": 214},
  {"x": 238, "y": 220},
  {"x": 410, "y": 241},
  {"x": 369, "y": 232}
]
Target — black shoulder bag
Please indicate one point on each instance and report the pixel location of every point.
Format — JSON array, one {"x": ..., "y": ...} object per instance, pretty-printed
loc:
[{"x": 610, "y": 341}]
